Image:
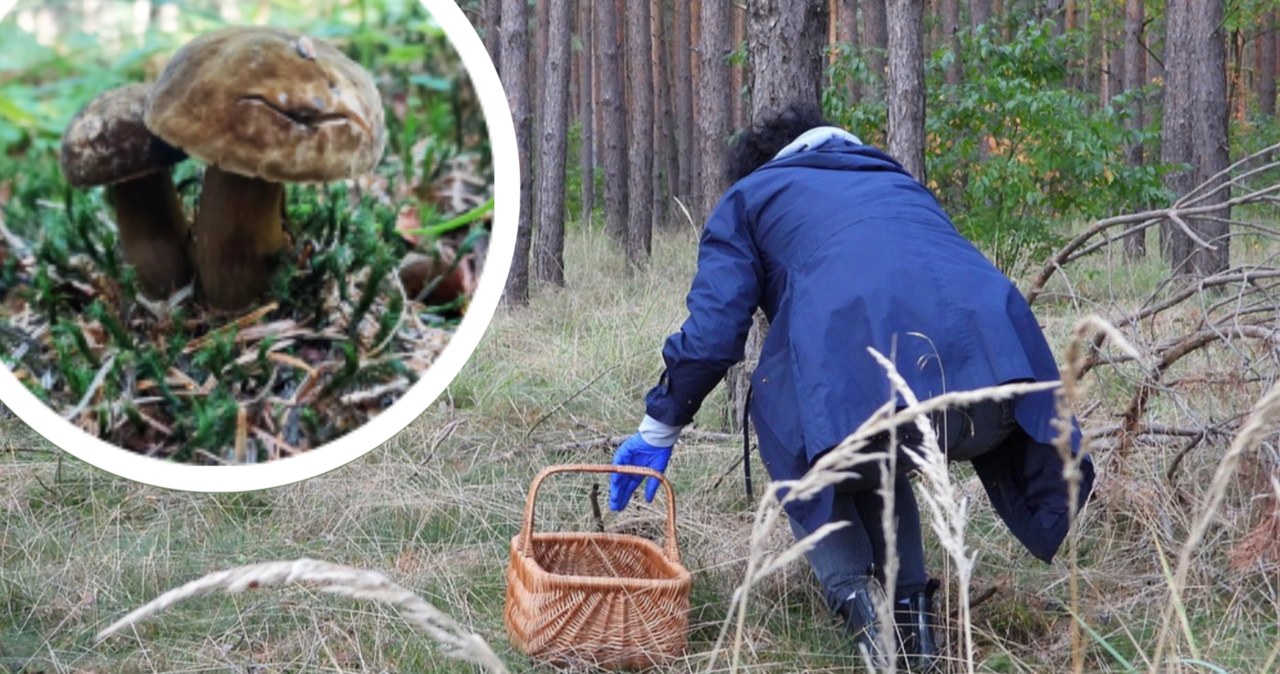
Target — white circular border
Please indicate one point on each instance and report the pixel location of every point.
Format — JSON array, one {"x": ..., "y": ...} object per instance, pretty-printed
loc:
[{"x": 493, "y": 101}]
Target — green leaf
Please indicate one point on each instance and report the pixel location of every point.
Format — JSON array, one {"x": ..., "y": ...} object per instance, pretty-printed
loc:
[
  {"x": 432, "y": 82},
  {"x": 17, "y": 116}
]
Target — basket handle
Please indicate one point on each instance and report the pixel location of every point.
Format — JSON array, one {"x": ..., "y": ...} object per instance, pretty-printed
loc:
[{"x": 669, "y": 546}]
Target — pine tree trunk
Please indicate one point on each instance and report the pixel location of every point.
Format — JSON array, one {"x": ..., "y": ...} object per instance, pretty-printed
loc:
[
  {"x": 1057, "y": 9},
  {"x": 694, "y": 155},
  {"x": 682, "y": 50},
  {"x": 951, "y": 32},
  {"x": 738, "y": 101},
  {"x": 1210, "y": 127},
  {"x": 492, "y": 20},
  {"x": 586, "y": 113},
  {"x": 876, "y": 42},
  {"x": 641, "y": 140},
  {"x": 613, "y": 121},
  {"x": 850, "y": 35},
  {"x": 1175, "y": 129},
  {"x": 1135, "y": 77},
  {"x": 514, "y": 35},
  {"x": 713, "y": 99},
  {"x": 980, "y": 12},
  {"x": 1268, "y": 40},
  {"x": 664, "y": 184},
  {"x": 906, "y": 85},
  {"x": 1194, "y": 130},
  {"x": 786, "y": 41},
  {"x": 537, "y": 87},
  {"x": 548, "y": 258},
  {"x": 1237, "y": 93},
  {"x": 1089, "y": 71}
]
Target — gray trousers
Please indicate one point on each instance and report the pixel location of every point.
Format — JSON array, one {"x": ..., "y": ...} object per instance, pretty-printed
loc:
[{"x": 845, "y": 558}]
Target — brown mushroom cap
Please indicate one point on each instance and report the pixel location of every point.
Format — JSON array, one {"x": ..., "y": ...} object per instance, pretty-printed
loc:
[
  {"x": 269, "y": 103},
  {"x": 107, "y": 142}
]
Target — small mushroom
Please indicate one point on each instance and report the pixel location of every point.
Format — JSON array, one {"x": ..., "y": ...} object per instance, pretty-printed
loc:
[
  {"x": 107, "y": 143},
  {"x": 261, "y": 106}
]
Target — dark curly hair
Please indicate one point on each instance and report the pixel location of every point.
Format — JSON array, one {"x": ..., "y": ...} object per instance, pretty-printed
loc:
[{"x": 750, "y": 149}]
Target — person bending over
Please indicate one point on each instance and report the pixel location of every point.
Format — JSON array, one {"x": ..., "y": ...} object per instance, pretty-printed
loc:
[{"x": 843, "y": 250}]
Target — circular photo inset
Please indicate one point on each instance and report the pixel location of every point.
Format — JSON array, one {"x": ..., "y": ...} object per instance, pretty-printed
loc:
[{"x": 244, "y": 235}]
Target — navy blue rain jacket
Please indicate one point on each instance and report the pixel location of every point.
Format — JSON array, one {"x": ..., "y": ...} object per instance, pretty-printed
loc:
[{"x": 843, "y": 249}]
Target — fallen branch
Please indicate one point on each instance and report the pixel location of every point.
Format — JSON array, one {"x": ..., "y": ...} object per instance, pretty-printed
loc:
[{"x": 1190, "y": 205}]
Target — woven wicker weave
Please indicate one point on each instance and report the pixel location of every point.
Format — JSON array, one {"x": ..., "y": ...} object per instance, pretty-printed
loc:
[{"x": 610, "y": 600}]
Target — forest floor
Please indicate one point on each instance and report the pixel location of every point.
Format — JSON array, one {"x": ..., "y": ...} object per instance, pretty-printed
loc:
[{"x": 436, "y": 507}]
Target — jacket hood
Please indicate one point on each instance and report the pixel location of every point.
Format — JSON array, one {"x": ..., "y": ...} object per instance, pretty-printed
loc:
[{"x": 838, "y": 155}]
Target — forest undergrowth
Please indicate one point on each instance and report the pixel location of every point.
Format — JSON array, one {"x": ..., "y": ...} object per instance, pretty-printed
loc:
[{"x": 559, "y": 382}]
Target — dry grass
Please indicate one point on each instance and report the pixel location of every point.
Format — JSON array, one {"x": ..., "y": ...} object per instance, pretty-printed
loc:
[
  {"x": 332, "y": 579},
  {"x": 436, "y": 507}
]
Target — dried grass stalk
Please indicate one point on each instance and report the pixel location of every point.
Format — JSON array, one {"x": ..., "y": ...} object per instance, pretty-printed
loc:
[
  {"x": 333, "y": 579},
  {"x": 1264, "y": 417},
  {"x": 836, "y": 466}
]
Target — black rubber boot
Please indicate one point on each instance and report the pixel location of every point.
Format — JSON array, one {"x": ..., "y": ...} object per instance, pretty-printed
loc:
[
  {"x": 859, "y": 614},
  {"x": 917, "y": 641}
]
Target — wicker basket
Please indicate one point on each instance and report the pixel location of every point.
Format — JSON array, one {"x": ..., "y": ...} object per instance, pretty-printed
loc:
[{"x": 609, "y": 600}]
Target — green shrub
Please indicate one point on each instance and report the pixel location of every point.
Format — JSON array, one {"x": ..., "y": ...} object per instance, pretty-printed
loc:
[{"x": 1012, "y": 151}]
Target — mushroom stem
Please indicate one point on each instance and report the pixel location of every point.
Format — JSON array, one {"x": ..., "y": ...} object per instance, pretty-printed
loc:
[
  {"x": 153, "y": 232},
  {"x": 238, "y": 233}
]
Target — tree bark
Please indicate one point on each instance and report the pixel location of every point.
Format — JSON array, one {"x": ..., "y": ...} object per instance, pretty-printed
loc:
[
  {"x": 849, "y": 34},
  {"x": 980, "y": 12},
  {"x": 786, "y": 41},
  {"x": 1194, "y": 130},
  {"x": 876, "y": 42},
  {"x": 1175, "y": 128},
  {"x": 714, "y": 126},
  {"x": 695, "y": 76},
  {"x": 641, "y": 140},
  {"x": 667, "y": 169},
  {"x": 1135, "y": 78},
  {"x": 492, "y": 21},
  {"x": 586, "y": 113},
  {"x": 1057, "y": 9},
  {"x": 514, "y": 36},
  {"x": 738, "y": 100},
  {"x": 1268, "y": 63},
  {"x": 1237, "y": 92},
  {"x": 906, "y": 85},
  {"x": 542, "y": 16},
  {"x": 548, "y": 258},
  {"x": 683, "y": 81},
  {"x": 951, "y": 33},
  {"x": 1210, "y": 127},
  {"x": 614, "y": 122}
]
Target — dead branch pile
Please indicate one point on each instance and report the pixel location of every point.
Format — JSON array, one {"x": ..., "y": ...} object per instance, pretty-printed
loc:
[{"x": 1209, "y": 344}]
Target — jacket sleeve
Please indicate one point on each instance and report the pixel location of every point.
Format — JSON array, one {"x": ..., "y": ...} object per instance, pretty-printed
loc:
[{"x": 722, "y": 299}]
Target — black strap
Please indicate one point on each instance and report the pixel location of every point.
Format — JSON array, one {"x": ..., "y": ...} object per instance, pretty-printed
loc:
[{"x": 746, "y": 443}]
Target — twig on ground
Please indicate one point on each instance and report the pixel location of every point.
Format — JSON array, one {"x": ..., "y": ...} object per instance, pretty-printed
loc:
[
  {"x": 596, "y": 517},
  {"x": 982, "y": 598},
  {"x": 94, "y": 385},
  {"x": 559, "y": 406}
]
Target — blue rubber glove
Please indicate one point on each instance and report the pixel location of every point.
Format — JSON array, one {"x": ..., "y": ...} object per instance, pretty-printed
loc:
[{"x": 634, "y": 451}]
